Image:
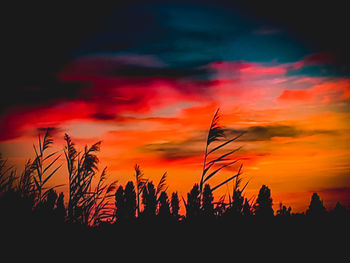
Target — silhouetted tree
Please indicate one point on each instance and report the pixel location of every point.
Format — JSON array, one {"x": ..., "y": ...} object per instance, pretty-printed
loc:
[
  {"x": 120, "y": 203},
  {"x": 236, "y": 205},
  {"x": 60, "y": 211},
  {"x": 47, "y": 204},
  {"x": 164, "y": 206},
  {"x": 175, "y": 205},
  {"x": 207, "y": 202},
  {"x": 316, "y": 207},
  {"x": 339, "y": 210},
  {"x": 51, "y": 199},
  {"x": 247, "y": 209},
  {"x": 86, "y": 205},
  {"x": 140, "y": 185},
  {"x": 149, "y": 200},
  {"x": 263, "y": 206},
  {"x": 283, "y": 211},
  {"x": 130, "y": 200},
  {"x": 193, "y": 203}
]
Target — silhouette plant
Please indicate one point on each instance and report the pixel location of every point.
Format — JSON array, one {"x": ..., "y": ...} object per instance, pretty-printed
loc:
[
  {"x": 316, "y": 207},
  {"x": 43, "y": 173},
  {"x": 339, "y": 210},
  {"x": 215, "y": 134},
  {"x": 193, "y": 205},
  {"x": 175, "y": 205},
  {"x": 130, "y": 201},
  {"x": 125, "y": 202},
  {"x": 237, "y": 200},
  {"x": 207, "y": 202},
  {"x": 247, "y": 208},
  {"x": 161, "y": 187},
  {"x": 60, "y": 211},
  {"x": 7, "y": 176},
  {"x": 140, "y": 185},
  {"x": 164, "y": 206},
  {"x": 85, "y": 205},
  {"x": 26, "y": 187},
  {"x": 149, "y": 200},
  {"x": 120, "y": 203},
  {"x": 263, "y": 206},
  {"x": 284, "y": 211}
]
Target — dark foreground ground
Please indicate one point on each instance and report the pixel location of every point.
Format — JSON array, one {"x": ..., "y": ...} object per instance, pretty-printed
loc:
[{"x": 245, "y": 238}]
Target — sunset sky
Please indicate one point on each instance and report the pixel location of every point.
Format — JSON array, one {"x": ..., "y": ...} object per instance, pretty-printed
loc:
[{"x": 146, "y": 78}]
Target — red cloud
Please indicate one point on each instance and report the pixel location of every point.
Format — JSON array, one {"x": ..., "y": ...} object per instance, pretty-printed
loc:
[
  {"x": 334, "y": 90},
  {"x": 229, "y": 69}
]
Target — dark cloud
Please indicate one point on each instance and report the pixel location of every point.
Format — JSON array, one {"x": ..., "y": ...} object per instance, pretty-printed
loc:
[
  {"x": 172, "y": 151},
  {"x": 131, "y": 66},
  {"x": 266, "y": 133},
  {"x": 37, "y": 40},
  {"x": 322, "y": 30},
  {"x": 134, "y": 71},
  {"x": 46, "y": 91},
  {"x": 103, "y": 116}
]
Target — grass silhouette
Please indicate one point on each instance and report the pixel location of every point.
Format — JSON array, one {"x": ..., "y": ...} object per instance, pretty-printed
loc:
[{"x": 28, "y": 199}]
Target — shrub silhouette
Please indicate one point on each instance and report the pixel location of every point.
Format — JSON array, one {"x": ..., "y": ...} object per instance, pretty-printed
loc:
[
  {"x": 263, "y": 206},
  {"x": 247, "y": 208},
  {"x": 175, "y": 205},
  {"x": 120, "y": 203},
  {"x": 316, "y": 207},
  {"x": 85, "y": 205},
  {"x": 130, "y": 201},
  {"x": 30, "y": 196},
  {"x": 193, "y": 205},
  {"x": 60, "y": 211},
  {"x": 207, "y": 202},
  {"x": 149, "y": 200},
  {"x": 164, "y": 206},
  {"x": 283, "y": 211},
  {"x": 140, "y": 184},
  {"x": 216, "y": 134}
]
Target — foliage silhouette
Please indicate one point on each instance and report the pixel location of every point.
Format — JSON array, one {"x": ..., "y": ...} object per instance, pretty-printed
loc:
[
  {"x": 120, "y": 203},
  {"x": 216, "y": 134},
  {"x": 30, "y": 198},
  {"x": 284, "y": 211},
  {"x": 263, "y": 206},
  {"x": 130, "y": 201},
  {"x": 193, "y": 205},
  {"x": 175, "y": 205},
  {"x": 87, "y": 206},
  {"x": 207, "y": 202},
  {"x": 149, "y": 201},
  {"x": 140, "y": 184},
  {"x": 316, "y": 207},
  {"x": 60, "y": 211},
  {"x": 164, "y": 206},
  {"x": 125, "y": 202},
  {"x": 43, "y": 173}
]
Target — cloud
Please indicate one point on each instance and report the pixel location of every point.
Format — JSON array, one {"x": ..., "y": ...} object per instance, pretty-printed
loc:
[
  {"x": 128, "y": 65},
  {"x": 329, "y": 91},
  {"x": 171, "y": 151},
  {"x": 266, "y": 133}
]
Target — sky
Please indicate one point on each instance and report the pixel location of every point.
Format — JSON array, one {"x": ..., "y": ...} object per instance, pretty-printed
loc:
[{"x": 146, "y": 78}]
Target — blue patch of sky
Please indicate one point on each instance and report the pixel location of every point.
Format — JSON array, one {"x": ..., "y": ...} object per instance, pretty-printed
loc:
[{"x": 187, "y": 36}]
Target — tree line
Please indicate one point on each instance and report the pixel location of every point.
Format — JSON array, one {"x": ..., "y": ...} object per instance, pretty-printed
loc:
[
  {"x": 28, "y": 196},
  {"x": 91, "y": 201}
]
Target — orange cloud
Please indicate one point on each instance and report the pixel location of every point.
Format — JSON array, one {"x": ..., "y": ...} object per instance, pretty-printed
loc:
[{"x": 329, "y": 91}]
